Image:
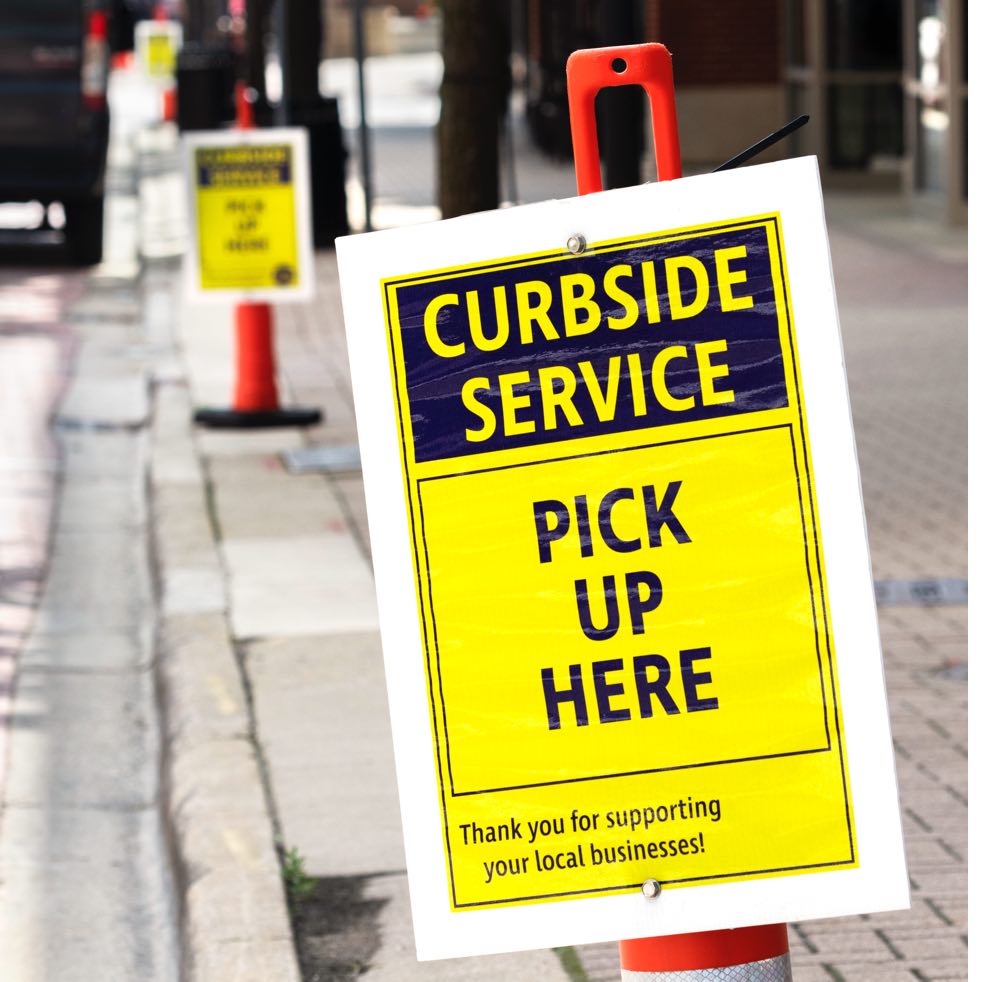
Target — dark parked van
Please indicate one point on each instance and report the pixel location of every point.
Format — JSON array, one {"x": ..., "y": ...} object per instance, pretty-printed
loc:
[{"x": 54, "y": 120}]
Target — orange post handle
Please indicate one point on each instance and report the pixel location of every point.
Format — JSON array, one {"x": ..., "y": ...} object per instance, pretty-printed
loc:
[{"x": 592, "y": 69}]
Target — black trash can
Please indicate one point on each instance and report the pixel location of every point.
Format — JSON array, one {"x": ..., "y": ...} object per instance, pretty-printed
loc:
[
  {"x": 329, "y": 209},
  {"x": 205, "y": 86}
]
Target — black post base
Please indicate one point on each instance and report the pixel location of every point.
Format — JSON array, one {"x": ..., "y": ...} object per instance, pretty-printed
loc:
[{"x": 235, "y": 419}]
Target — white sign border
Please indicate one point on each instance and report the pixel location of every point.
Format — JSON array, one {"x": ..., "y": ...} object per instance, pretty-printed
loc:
[
  {"x": 296, "y": 136},
  {"x": 792, "y": 189}
]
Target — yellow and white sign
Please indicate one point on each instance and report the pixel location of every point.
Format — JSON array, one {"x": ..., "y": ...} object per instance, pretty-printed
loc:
[
  {"x": 157, "y": 45},
  {"x": 250, "y": 215},
  {"x": 624, "y": 588}
]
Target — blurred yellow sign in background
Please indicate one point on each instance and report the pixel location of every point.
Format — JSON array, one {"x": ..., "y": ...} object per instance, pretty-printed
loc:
[
  {"x": 251, "y": 229},
  {"x": 157, "y": 43}
]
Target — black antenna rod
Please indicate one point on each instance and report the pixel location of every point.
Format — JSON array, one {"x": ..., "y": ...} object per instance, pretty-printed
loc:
[{"x": 768, "y": 141}]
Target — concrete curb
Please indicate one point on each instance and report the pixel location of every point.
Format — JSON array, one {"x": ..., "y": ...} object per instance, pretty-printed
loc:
[{"x": 235, "y": 921}]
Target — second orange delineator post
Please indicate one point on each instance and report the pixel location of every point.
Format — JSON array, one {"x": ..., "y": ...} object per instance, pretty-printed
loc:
[
  {"x": 255, "y": 400},
  {"x": 255, "y": 361}
]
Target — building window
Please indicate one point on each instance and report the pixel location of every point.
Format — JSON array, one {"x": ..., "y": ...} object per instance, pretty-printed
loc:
[
  {"x": 796, "y": 27},
  {"x": 864, "y": 35},
  {"x": 865, "y": 124}
]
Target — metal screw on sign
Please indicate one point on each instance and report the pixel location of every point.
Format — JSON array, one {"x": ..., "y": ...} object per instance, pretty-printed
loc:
[
  {"x": 576, "y": 243},
  {"x": 651, "y": 889}
]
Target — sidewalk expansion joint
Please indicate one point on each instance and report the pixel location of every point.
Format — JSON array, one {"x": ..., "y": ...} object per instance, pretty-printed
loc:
[
  {"x": 957, "y": 795},
  {"x": 69, "y": 425},
  {"x": 200, "y": 739},
  {"x": 138, "y": 668},
  {"x": 881, "y": 934},
  {"x": 112, "y": 808},
  {"x": 804, "y": 939},
  {"x": 918, "y": 820},
  {"x": 951, "y": 850},
  {"x": 938, "y": 912},
  {"x": 252, "y": 735}
]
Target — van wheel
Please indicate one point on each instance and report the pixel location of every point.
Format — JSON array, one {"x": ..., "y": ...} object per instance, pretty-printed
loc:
[{"x": 83, "y": 230}]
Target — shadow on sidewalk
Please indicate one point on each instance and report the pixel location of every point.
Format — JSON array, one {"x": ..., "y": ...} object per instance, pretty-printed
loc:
[{"x": 337, "y": 929}]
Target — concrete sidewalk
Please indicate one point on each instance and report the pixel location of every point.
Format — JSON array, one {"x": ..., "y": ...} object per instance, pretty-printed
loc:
[
  {"x": 86, "y": 886},
  {"x": 301, "y": 617}
]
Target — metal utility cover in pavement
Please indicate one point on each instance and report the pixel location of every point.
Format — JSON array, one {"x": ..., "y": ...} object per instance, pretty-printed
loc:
[
  {"x": 927, "y": 592},
  {"x": 322, "y": 460}
]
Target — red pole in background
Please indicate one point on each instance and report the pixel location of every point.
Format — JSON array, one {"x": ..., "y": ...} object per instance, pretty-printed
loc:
[
  {"x": 168, "y": 94},
  {"x": 168, "y": 99},
  {"x": 745, "y": 954},
  {"x": 255, "y": 401}
]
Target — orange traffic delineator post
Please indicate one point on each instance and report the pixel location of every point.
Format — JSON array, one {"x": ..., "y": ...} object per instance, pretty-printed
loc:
[
  {"x": 245, "y": 116},
  {"x": 255, "y": 401},
  {"x": 747, "y": 954},
  {"x": 743, "y": 954},
  {"x": 122, "y": 61},
  {"x": 168, "y": 104}
]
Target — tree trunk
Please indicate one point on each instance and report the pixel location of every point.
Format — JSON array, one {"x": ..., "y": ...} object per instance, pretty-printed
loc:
[
  {"x": 257, "y": 26},
  {"x": 202, "y": 20},
  {"x": 474, "y": 93},
  {"x": 300, "y": 51}
]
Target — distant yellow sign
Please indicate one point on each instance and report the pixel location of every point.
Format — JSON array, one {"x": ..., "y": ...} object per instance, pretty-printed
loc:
[
  {"x": 157, "y": 44},
  {"x": 629, "y": 655},
  {"x": 161, "y": 56},
  {"x": 247, "y": 234},
  {"x": 249, "y": 208}
]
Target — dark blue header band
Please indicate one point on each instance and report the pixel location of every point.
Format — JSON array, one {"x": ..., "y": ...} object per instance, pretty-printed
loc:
[
  {"x": 243, "y": 166},
  {"x": 648, "y": 335}
]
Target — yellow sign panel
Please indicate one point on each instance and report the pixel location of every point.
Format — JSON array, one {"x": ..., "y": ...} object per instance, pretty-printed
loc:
[
  {"x": 157, "y": 44},
  {"x": 161, "y": 55},
  {"x": 247, "y": 235},
  {"x": 630, "y": 665}
]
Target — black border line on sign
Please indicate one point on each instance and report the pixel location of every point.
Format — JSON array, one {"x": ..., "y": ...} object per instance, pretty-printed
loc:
[
  {"x": 421, "y": 601},
  {"x": 389, "y": 287},
  {"x": 633, "y": 885},
  {"x": 672, "y": 235},
  {"x": 454, "y": 793}
]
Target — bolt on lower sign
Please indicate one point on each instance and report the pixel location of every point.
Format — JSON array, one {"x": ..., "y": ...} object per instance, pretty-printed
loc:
[{"x": 624, "y": 589}]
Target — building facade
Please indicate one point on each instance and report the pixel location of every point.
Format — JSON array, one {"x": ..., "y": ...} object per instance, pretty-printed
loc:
[{"x": 885, "y": 83}]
